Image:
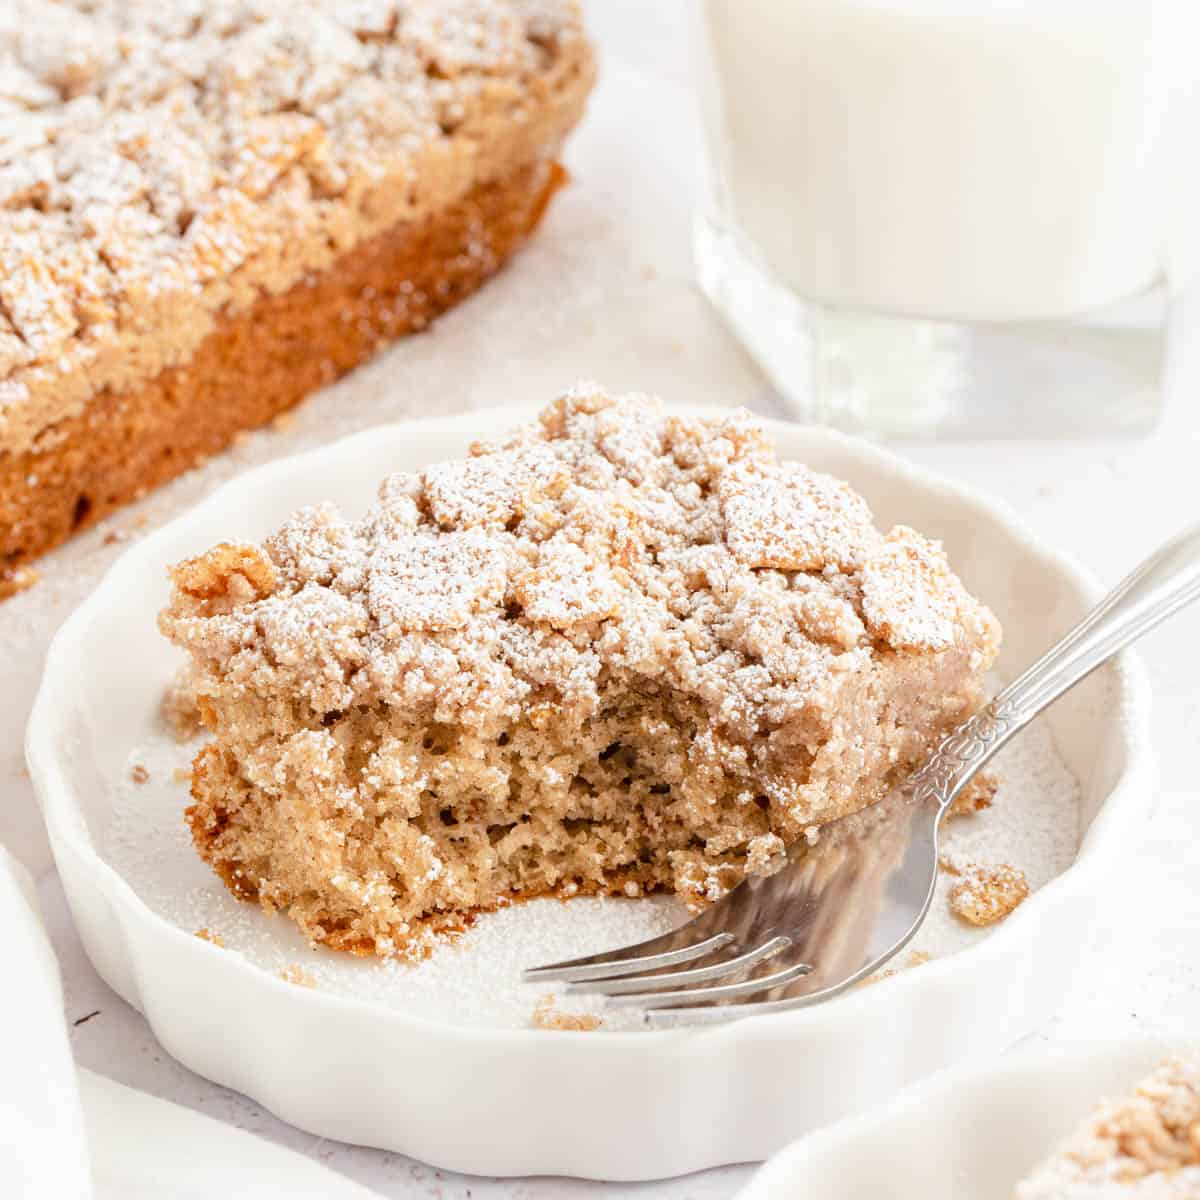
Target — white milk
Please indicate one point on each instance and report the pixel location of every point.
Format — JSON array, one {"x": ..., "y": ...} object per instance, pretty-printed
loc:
[{"x": 977, "y": 160}]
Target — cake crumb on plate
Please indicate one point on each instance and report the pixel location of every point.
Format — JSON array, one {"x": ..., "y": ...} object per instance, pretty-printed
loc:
[
  {"x": 985, "y": 894},
  {"x": 295, "y": 973},
  {"x": 547, "y": 1015}
]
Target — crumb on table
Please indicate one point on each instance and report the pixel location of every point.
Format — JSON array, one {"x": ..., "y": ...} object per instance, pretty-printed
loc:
[
  {"x": 1145, "y": 1143},
  {"x": 207, "y": 935},
  {"x": 139, "y": 774}
]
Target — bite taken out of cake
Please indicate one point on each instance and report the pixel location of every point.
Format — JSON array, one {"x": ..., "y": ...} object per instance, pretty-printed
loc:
[{"x": 620, "y": 650}]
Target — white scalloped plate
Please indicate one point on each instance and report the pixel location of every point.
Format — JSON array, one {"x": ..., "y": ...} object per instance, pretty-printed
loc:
[
  {"x": 516, "y": 1102},
  {"x": 974, "y": 1132}
]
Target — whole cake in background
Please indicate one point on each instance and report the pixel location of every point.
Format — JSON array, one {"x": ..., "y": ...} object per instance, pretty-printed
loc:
[
  {"x": 1145, "y": 1146},
  {"x": 209, "y": 208},
  {"x": 617, "y": 651}
]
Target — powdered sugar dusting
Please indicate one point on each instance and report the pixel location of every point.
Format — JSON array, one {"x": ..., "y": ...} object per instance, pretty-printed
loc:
[
  {"x": 910, "y": 596},
  {"x": 422, "y": 582},
  {"x": 608, "y": 508},
  {"x": 795, "y": 520},
  {"x": 475, "y": 980}
]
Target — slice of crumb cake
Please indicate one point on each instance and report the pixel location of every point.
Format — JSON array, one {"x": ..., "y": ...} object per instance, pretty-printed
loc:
[
  {"x": 1146, "y": 1145},
  {"x": 620, "y": 650}
]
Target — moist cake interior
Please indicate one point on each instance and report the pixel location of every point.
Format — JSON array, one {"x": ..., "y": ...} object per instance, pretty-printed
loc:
[{"x": 618, "y": 651}]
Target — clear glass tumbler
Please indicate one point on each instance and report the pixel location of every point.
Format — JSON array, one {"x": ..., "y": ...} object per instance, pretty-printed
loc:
[{"x": 962, "y": 217}]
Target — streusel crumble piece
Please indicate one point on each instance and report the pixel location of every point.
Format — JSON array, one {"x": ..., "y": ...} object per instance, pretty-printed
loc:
[{"x": 985, "y": 893}]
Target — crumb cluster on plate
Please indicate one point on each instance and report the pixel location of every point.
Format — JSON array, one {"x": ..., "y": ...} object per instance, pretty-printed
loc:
[{"x": 619, "y": 650}]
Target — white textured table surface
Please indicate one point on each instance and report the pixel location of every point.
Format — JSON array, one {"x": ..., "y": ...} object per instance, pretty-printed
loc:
[{"x": 606, "y": 292}]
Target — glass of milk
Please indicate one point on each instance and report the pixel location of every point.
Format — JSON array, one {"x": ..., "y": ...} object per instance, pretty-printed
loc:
[{"x": 961, "y": 216}]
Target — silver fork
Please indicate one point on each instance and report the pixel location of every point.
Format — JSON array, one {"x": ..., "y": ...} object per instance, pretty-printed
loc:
[{"x": 840, "y": 908}]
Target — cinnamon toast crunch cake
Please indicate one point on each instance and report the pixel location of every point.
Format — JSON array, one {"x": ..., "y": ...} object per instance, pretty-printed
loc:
[
  {"x": 209, "y": 209},
  {"x": 620, "y": 650},
  {"x": 1145, "y": 1146}
]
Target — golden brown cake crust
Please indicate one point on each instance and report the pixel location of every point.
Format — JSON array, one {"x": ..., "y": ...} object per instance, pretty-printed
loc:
[
  {"x": 257, "y": 364},
  {"x": 618, "y": 650}
]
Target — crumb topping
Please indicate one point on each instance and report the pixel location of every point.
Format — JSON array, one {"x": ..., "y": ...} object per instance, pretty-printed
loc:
[
  {"x": 977, "y": 796},
  {"x": 165, "y": 161},
  {"x": 1146, "y": 1144},
  {"x": 601, "y": 543},
  {"x": 793, "y": 519}
]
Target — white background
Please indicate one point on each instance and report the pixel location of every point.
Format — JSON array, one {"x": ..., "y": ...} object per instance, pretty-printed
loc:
[{"x": 605, "y": 291}]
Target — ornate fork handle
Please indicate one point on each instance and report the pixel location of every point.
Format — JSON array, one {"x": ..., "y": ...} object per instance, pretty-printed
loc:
[
  {"x": 1162, "y": 585},
  {"x": 960, "y": 755}
]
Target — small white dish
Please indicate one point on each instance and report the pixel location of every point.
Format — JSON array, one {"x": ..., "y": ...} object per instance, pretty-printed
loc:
[
  {"x": 975, "y": 1132},
  {"x": 516, "y": 1102}
]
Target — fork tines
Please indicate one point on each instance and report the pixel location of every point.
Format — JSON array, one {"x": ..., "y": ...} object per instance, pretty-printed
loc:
[{"x": 627, "y": 978}]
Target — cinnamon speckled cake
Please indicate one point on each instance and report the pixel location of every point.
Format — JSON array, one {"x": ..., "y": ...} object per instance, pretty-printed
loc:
[
  {"x": 1145, "y": 1146},
  {"x": 619, "y": 650},
  {"x": 209, "y": 208}
]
